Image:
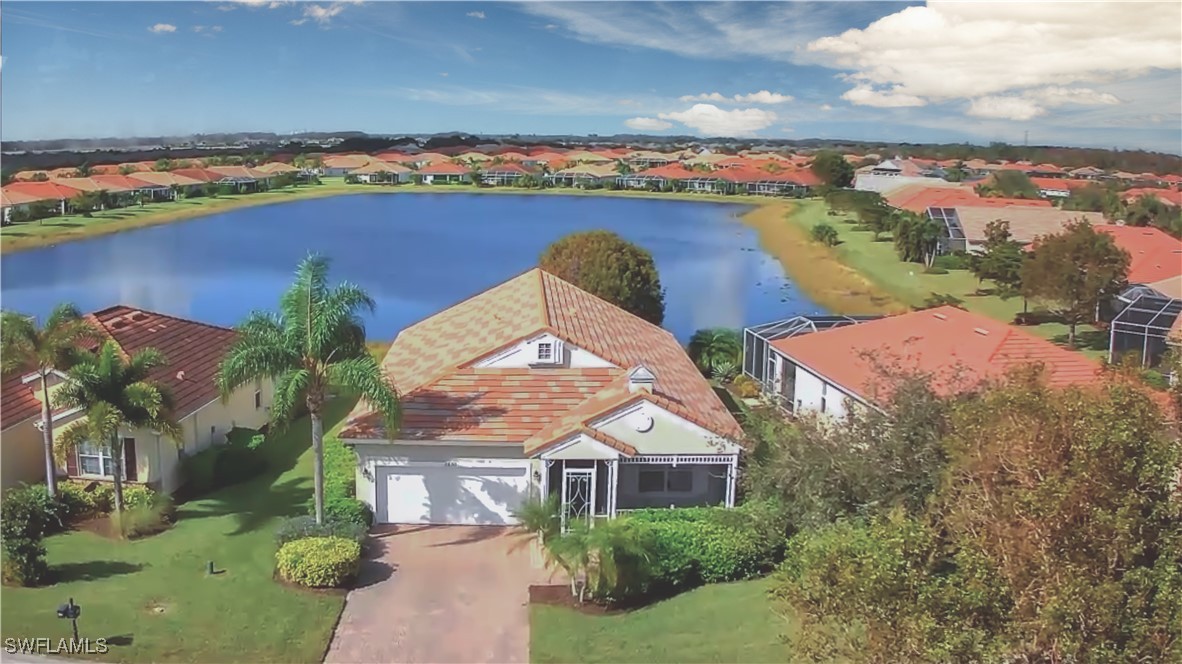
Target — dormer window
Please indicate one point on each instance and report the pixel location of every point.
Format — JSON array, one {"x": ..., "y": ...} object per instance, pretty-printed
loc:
[{"x": 546, "y": 352}]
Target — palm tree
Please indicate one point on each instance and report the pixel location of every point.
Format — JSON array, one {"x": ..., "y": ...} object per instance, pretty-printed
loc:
[
  {"x": 55, "y": 346},
  {"x": 917, "y": 237},
  {"x": 83, "y": 171},
  {"x": 115, "y": 394},
  {"x": 317, "y": 340},
  {"x": 710, "y": 348}
]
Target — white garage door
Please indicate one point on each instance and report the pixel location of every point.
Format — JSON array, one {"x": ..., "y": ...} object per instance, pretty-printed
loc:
[{"x": 451, "y": 494}]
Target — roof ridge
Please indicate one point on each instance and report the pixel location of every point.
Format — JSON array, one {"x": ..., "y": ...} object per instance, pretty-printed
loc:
[
  {"x": 545, "y": 308},
  {"x": 164, "y": 315}
]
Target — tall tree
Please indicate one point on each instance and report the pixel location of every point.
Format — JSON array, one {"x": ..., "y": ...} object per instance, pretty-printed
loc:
[
  {"x": 1001, "y": 260},
  {"x": 115, "y": 394},
  {"x": 1010, "y": 184},
  {"x": 832, "y": 168},
  {"x": 1072, "y": 272},
  {"x": 316, "y": 341},
  {"x": 52, "y": 347},
  {"x": 607, "y": 265}
]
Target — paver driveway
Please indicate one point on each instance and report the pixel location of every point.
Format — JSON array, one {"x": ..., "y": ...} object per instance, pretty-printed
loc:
[{"x": 439, "y": 594}]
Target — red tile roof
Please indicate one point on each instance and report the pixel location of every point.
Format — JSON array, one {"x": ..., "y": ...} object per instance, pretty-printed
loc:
[
  {"x": 671, "y": 172},
  {"x": 1154, "y": 254},
  {"x": 10, "y": 196},
  {"x": 193, "y": 351},
  {"x": 122, "y": 181},
  {"x": 1171, "y": 197},
  {"x": 919, "y": 197},
  {"x": 199, "y": 174},
  {"x": 959, "y": 348},
  {"x": 46, "y": 191},
  {"x": 1061, "y": 183},
  {"x": 444, "y": 168},
  {"x": 436, "y": 356}
]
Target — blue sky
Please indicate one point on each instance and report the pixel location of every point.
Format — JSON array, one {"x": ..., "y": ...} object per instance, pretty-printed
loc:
[{"x": 1095, "y": 74}]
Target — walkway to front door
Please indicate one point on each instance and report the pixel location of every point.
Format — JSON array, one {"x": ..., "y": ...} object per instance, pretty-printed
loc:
[{"x": 439, "y": 594}]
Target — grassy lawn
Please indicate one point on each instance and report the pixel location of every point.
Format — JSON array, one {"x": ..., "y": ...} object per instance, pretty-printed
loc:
[
  {"x": 907, "y": 282},
  {"x": 730, "y": 622},
  {"x": 152, "y": 597}
]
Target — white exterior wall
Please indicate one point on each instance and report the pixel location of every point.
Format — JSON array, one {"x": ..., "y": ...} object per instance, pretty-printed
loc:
[
  {"x": 670, "y": 433},
  {"x": 371, "y": 456},
  {"x": 525, "y": 354},
  {"x": 811, "y": 390}
]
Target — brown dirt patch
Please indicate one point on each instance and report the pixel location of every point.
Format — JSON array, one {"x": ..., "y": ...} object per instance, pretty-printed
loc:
[{"x": 560, "y": 595}]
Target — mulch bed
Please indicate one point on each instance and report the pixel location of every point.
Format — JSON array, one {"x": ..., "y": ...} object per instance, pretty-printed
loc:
[
  {"x": 560, "y": 595},
  {"x": 103, "y": 526}
]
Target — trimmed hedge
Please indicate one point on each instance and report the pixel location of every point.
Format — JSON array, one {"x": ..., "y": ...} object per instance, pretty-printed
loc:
[
  {"x": 319, "y": 562},
  {"x": 303, "y": 527},
  {"x": 340, "y": 486},
  {"x": 26, "y": 516},
  {"x": 698, "y": 545}
]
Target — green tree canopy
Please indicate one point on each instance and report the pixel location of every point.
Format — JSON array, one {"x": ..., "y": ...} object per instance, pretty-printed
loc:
[
  {"x": 1002, "y": 258},
  {"x": 608, "y": 266},
  {"x": 832, "y": 168},
  {"x": 716, "y": 350},
  {"x": 1010, "y": 184},
  {"x": 1072, "y": 272},
  {"x": 917, "y": 237}
]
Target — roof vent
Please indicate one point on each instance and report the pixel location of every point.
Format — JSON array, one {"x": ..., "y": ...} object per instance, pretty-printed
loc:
[
  {"x": 118, "y": 324},
  {"x": 981, "y": 331},
  {"x": 180, "y": 375},
  {"x": 641, "y": 379},
  {"x": 139, "y": 315},
  {"x": 941, "y": 316}
]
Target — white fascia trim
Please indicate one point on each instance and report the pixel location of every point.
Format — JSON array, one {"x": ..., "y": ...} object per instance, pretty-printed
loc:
[
  {"x": 845, "y": 390},
  {"x": 575, "y": 440},
  {"x": 30, "y": 377}
]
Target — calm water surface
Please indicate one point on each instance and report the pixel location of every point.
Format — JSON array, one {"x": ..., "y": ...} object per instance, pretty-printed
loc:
[{"x": 415, "y": 254}]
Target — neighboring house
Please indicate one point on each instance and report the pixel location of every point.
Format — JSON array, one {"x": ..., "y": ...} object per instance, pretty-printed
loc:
[
  {"x": 933, "y": 193},
  {"x": 832, "y": 369},
  {"x": 378, "y": 172},
  {"x": 1170, "y": 197},
  {"x": 964, "y": 225},
  {"x": 12, "y": 200},
  {"x": 503, "y": 174},
  {"x": 445, "y": 172},
  {"x": 193, "y": 351},
  {"x": 161, "y": 183},
  {"x": 341, "y": 164},
  {"x": 1057, "y": 187},
  {"x": 537, "y": 387},
  {"x": 893, "y": 173},
  {"x": 585, "y": 175},
  {"x": 1146, "y": 315}
]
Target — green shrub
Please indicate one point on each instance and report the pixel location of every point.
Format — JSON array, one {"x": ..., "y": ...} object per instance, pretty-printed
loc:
[
  {"x": 74, "y": 501},
  {"x": 224, "y": 465},
  {"x": 27, "y": 514},
  {"x": 137, "y": 496},
  {"x": 746, "y": 386},
  {"x": 319, "y": 562},
  {"x": 340, "y": 483},
  {"x": 825, "y": 234},
  {"x": 103, "y": 495},
  {"x": 303, "y": 527},
  {"x": 150, "y": 513},
  {"x": 343, "y": 508},
  {"x": 957, "y": 261}
]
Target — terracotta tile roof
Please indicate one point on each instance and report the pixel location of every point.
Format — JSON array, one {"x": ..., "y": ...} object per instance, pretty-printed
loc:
[
  {"x": 125, "y": 182},
  {"x": 274, "y": 167},
  {"x": 92, "y": 185},
  {"x": 10, "y": 196},
  {"x": 380, "y": 167},
  {"x": 940, "y": 341},
  {"x": 193, "y": 351},
  {"x": 1171, "y": 197},
  {"x": 918, "y": 197},
  {"x": 1155, "y": 256},
  {"x": 239, "y": 172},
  {"x": 27, "y": 176},
  {"x": 444, "y": 168},
  {"x": 1060, "y": 183},
  {"x": 45, "y": 191},
  {"x": 447, "y": 344},
  {"x": 506, "y": 169},
  {"x": 346, "y": 161},
  {"x": 198, "y": 174},
  {"x": 671, "y": 172},
  {"x": 168, "y": 178}
]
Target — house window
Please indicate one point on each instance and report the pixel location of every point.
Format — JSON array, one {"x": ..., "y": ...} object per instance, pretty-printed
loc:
[
  {"x": 258, "y": 399},
  {"x": 97, "y": 460},
  {"x": 824, "y": 394},
  {"x": 545, "y": 352},
  {"x": 665, "y": 481}
]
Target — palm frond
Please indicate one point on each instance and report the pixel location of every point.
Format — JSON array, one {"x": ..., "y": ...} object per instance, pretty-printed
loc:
[
  {"x": 143, "y": 362},
  {"x": 18, "y": 341},
  {"x": 146, "y": 397},
  {"x": 253, "y": 357},
  {"x": 290, "y": 394},
  {"x": 365, "y": 376}
]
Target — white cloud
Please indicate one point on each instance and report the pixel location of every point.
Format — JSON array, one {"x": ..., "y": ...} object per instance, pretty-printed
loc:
[
  {"x": 991, "y": 53},
  {"x": 761, "y": 97},
  {"x": 1005, "y": 108},
  {"x": 207, "y": 30},
  {"x": 864, "y": 95},
  {"x": 322, "y": 14},
  {"x": 647, "y": 124},
  {"x": 826, "y": 107},
  {"x": 162, "y": 28},
  {"x": 710, "y": 120},
  {"x": 443, "y": 74},
  {"x": 479, "y": 15}
]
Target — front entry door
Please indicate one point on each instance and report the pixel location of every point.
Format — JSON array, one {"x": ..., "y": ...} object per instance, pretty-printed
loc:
[{"x": 578, "y": 495}]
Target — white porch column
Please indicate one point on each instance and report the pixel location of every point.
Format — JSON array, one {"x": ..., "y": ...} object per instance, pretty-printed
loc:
[
  {"x": 613, "y": 483},
  {"x": 731, "y": 476}
]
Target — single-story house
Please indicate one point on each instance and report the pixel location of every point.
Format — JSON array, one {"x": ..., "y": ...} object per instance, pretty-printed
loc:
[
  {"x": 162, "y": 183},
  {"x": 585, "y": 175},
  {"x": 919, "y": 197},
  {"x": 503, "y": 174},
  {"x": 964, "y": 224},
  {"x": 660, "y": 176},
  {"x": 445, "y": 172},
  {"x": 337, "y": 165},
  {"x": 193, "y": 351},
  {"x": 648, "y": 159},
  {"x": 44, "y": 191},
  {"x": 1170, "y": 197},
  {"x": 1155, "y": 257},
  {"x": 12, "y": 200},
  {"x": 832, "y": 369},
  {"x": 536, "y": 387},
  {"x": 380, "y": 172}
]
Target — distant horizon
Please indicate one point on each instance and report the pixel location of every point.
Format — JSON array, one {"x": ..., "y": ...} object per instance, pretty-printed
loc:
[{"x": 1090, "y": 75}]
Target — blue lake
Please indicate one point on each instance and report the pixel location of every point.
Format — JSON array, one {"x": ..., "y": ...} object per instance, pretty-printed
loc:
[{"x": 415, "y": 254}]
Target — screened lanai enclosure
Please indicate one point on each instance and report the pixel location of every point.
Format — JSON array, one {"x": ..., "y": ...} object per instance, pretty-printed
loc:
[
  {"x": 1148, "y": 327},
  {"x": 767, "y": 367}
]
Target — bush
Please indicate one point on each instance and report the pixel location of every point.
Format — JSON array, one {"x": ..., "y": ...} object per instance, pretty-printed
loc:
[
  {"x": 224, "y": 465},
  {"x": 340, "y": 485},
  {"x": 303, "y": 527},
  {"x": 319, "y": 562},
  {"x": 144, "y": 519},
  {"x": 746, "y": 386},
  {"x": 957, "y": 261},
  {"x": 26, "y": 515},
  {"x": 343, "y": 509},
  {"x": 74, "y": 501},
  {"x": 825, "y": 234},
  {"x": 136, "y": 496}
]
